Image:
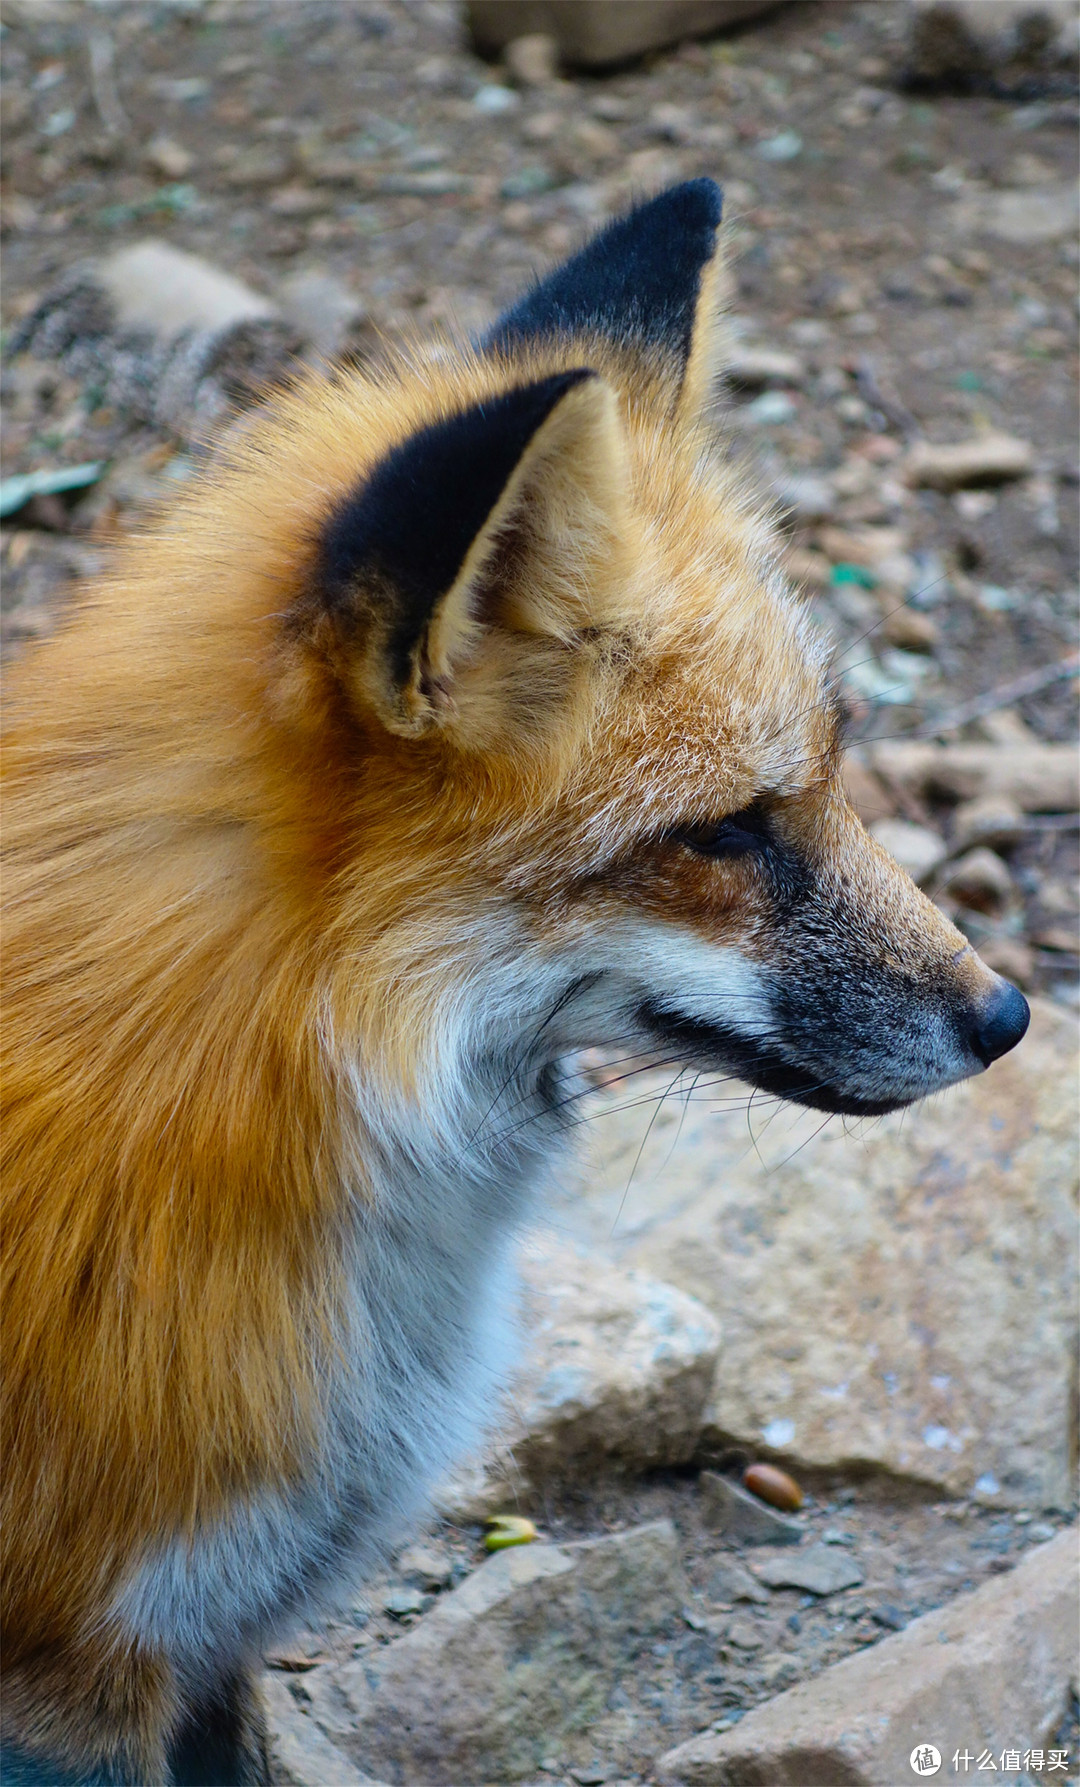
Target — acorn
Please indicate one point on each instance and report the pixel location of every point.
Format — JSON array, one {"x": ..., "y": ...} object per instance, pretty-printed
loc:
[{"x": 773, "y": 1486}]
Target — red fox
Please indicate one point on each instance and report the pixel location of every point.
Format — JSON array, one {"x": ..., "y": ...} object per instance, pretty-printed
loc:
[{"x": 457, "y": 720}]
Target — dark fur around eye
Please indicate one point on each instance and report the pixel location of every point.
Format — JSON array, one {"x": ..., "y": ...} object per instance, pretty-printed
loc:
[{"x": 746, "y": 833}]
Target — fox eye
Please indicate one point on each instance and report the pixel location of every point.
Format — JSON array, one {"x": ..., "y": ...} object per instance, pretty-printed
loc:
[{"x": 739, "y": 834}]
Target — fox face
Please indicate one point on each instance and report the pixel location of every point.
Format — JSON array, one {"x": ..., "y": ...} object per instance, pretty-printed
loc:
[
  {"x": 560, "y": 595},
  {"x": 459, "y": 718}
]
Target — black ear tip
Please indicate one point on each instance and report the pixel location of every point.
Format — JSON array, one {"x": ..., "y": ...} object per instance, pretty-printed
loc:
[
  {"x": 637, "y": 282},
  {"x": 699, "y": 204}
]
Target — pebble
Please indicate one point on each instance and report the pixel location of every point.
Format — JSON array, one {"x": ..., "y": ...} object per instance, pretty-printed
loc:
[
  {"x": 808, "y": 497},
  {"x": 916, "y": 848},
  {"x": 493, "y": 99},
  {"x": 771, "y": 409},
  {"x": 532, "y": 60},
  {"x": 400, "y": 1602},
  {"x": 753, "y": 367},
  {"x": 169, "y": 157},
  {"x": 155, "y": 286},
  {"x": 321, "y": 306},
  {"x": 890, "y": 1617},
  {"x": 428, "y": 1566},
  {"x": 743, "y": 1635},
  {"x": 819, "y": 1570},
  {"x": 784, "y": 147},
  {"x": 992, "y": 820},
  {"x": 808, "y": 567},
  {"x": 990, "y": 458},
  {"x": 731, "y": 1582},
  {"x": 980, "y": 880},
  {"x": 909, "y": 630},
  {"x": 1047, "y": 214},
  {"x": 733, "y": 1511}
]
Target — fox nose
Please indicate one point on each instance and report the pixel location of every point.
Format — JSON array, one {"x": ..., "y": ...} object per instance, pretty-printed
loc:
[{"x": 1000, "y": 1022}]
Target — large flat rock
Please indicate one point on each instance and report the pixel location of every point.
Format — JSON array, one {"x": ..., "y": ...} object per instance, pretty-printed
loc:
[
  {"x": 990, "y": 1671},
  {"x": 897, "y": 1294},
  {"x": 521, "y": 1658}
]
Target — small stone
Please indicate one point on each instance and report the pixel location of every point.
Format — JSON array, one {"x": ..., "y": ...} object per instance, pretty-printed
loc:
[
  {"x": 168, "y": 157},
  {"x": 257, "y": 167},
  {"x": 426, "y": 1565},
  {"x": 401, "y": 1602},
  {"x": 154, "y": 286},
  {"x": 916, "y": 848},
  {"x": 992, "y": 820},
  {"x": 890, "y": 1617},
  {"x": 1049, "y": 215},
  {"x": 493, "y": 99},
  {"x": 778, "y": 1671},
  {"x": 770, "y": 410},
  {"x": 743, "y": 1635},
  {"x": 991, "y": 458},
  {"x": 817, "y": 1570},
  {"x": 784, "y": 147},
  {"x": 865, "y": 546},
  {"x": 810, "y": 498},
  {"x": 866, "y": 791},
  {"x": 980, "y": 880},
  {"x": 674, "y": 123},
  {"x": 731, "y": 1582},
  {"x": 322, "y": 307},
  {"x": 532, "y": 60},
  {"x": 910, "y": 630},
  {"x": 527, "y": 182},
  {"x": 753, "y": 367},
  {"x": 728, "y": 1509}
]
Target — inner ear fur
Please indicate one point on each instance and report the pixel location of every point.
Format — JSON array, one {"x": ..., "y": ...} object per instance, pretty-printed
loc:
[{"x": 459, "y": 580}]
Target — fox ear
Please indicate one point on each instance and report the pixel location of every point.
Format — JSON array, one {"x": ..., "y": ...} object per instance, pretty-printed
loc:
[
  {"x": 470, "y": 559},
  {"x": 649, "y": 283}
]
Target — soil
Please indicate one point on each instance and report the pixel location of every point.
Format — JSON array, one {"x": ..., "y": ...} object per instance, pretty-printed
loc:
[
  {"x": 369, "y": 143},
  {"x": 723, "y": 1657}
]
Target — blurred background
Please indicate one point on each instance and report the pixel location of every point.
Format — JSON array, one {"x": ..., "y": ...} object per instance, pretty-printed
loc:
[
  {"x": 900, "y": 181},
  {"x": 196, "y": 194}
]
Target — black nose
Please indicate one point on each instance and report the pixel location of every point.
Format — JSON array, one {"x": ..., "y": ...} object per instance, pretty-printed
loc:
[{"x": 1000, "y": 1023}]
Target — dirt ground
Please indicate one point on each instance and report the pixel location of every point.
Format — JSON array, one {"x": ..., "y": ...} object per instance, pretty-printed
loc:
[
  {"x": 723, "y": 1654},
  {"x": 366, "y": 142}
]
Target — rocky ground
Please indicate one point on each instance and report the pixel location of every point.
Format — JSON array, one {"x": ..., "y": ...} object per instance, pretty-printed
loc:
[{"x": 889, "y": 1314}]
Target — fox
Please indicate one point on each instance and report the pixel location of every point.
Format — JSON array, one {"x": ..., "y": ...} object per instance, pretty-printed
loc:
[{"x": 458, "y": 718}]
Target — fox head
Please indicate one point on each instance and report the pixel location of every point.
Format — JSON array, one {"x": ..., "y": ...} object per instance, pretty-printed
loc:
[
  {"x": 473, "y": 688},
  {"x": 616, "y": 758}
]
